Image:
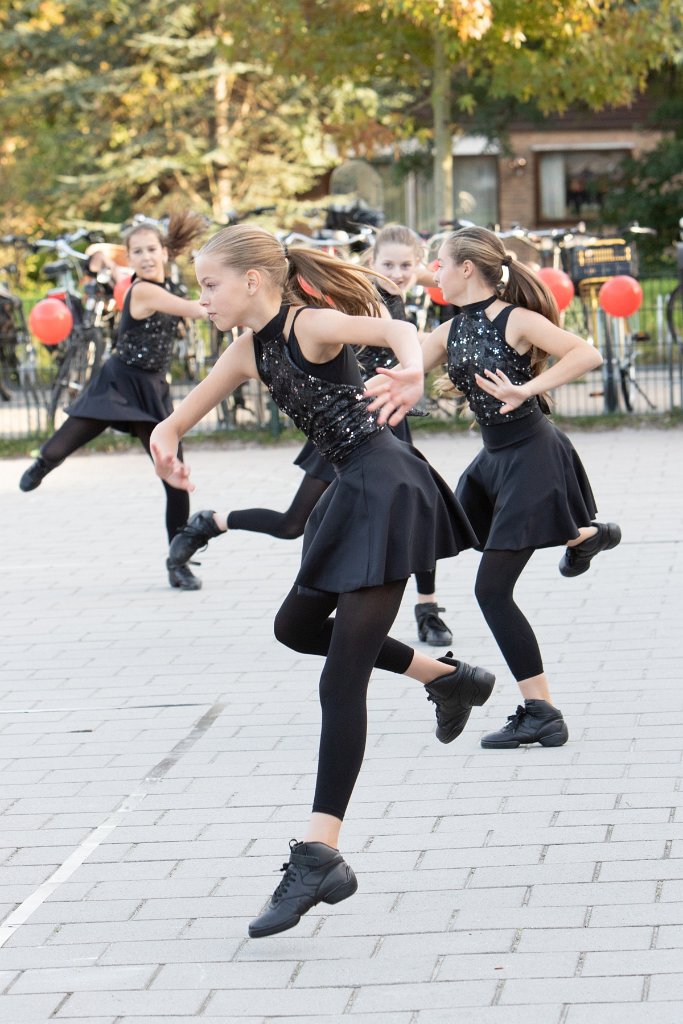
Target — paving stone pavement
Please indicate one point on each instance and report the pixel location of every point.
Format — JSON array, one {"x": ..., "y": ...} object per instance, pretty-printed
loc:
[{"x": 158, "y": 751}]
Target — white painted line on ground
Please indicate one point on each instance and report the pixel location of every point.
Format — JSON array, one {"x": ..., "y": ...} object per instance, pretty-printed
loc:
[{"x": 22, "y": 913}]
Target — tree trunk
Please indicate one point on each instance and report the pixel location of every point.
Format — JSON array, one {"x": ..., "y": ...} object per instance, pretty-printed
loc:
[
  {"x": 222, "y": 199},
  {"x": 443, "y": 144}
]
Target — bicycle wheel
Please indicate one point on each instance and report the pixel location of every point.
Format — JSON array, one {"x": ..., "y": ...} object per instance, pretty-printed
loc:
[
  {"x": 626, "y": 389},
  {"x": 609, "y": 371},
  {"x": 624, "y": 356},
  {"x": 82, "y": 359},
  {"x": 674, "y": 317}
]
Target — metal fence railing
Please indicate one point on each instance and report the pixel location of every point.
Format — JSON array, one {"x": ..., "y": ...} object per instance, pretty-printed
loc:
[{"x": 648, "y": 370}]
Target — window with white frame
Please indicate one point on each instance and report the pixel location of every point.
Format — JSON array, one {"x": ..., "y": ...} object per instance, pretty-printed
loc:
[{"x": 573, "y": 183}]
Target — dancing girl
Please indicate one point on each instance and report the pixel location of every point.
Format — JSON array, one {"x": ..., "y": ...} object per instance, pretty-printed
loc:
[
  {"x": 386, "y": 515},
  {"x": 131, "y": 391},
  {"x": 527, "y": 488},
  {"x": 397, "y": 255}
]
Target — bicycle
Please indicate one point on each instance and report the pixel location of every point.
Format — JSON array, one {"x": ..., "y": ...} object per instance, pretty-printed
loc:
[
  {"x": 18, "y": 356},
  {"x": 80, "y": 355},
  {"x": 590, "y": 264},
  {"x": 674, "y": 317},
  {"x": 10, "y": 327}
]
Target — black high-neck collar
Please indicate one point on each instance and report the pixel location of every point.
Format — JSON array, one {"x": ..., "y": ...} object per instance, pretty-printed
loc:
[
  {"x": 274, "y": 327},
  {"x": 475, "y": 307}
]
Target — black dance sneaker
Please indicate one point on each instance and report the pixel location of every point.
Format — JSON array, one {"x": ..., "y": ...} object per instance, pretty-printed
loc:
[
  {"x": 314, "y": 873},
  {"x": 430, "y": 628},
  {"x": 536, "y": 722},
  {"x": 456, "y": 694},
  {"x": 577, "y": 560},
  {"x": 182, "y": 578},
  {"x": 195, "y": 534},
  {"x": 33, "y": 476}
]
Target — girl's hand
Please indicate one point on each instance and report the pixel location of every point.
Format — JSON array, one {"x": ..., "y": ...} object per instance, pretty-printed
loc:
[
  {"x": 397, "y": 390},
  {"x": 501, "y": 387},
  {"x": 198, "y": 311},
  {"x": 166, "y": 462}
]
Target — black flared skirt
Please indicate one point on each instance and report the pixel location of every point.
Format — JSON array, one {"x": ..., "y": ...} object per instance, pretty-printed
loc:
[
  {"x": 313, "y": 464},
  {"x": 387, "y": 514},
  {"x": 533, "y": 493},
  {"x": 121, "y": 395}
]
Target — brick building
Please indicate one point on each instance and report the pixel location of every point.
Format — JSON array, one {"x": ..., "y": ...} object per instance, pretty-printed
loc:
[{"x": 553, "y": 172}]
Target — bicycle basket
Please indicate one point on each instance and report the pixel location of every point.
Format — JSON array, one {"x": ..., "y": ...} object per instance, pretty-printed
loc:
[
  {"x": 349, "y": 218},
  {"x": 603, "y": 258}
]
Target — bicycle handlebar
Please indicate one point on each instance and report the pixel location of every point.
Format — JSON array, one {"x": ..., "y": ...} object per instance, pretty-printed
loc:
[
  {"x": 61, "y": 247},
  {"x": 15, "y": 240},
  {"x": 326, "y": 243},
  {"x": 234, "y": 217}
]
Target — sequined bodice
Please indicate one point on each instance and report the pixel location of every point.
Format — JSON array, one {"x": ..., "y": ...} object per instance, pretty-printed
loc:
[
  {"x": 333, "y": 415},
  {"x": 371, "y": 357},
  {"x": 146, "y": 344},
  {"x": 475, "y": 344}
]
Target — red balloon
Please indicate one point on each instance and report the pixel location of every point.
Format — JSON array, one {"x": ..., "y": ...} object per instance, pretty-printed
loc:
[
  {"x": 621, "y": 296},
  {"x": 120, "y": 289},
  {"x": 51, "y": 321},
  {"x": 435, "y": 294},
  {"x": 559, "y": 283}
]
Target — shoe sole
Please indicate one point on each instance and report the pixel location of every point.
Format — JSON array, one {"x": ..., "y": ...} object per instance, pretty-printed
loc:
[
  {"x": 614, "y": 538},
  {"x": 423, "y": 635},
  {"x": 480, "y": 689},
  {"x": 195, "y": 583},
  {"x": 341, "y": 892},
  {"x": 555, "y": 738},
  {"x": 435, "y": 643}
]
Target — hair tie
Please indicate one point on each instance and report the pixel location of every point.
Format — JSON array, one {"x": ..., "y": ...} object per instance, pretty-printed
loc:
[
  {"x": 506, "y": 261},
  {"x": 285, "y": 251}
]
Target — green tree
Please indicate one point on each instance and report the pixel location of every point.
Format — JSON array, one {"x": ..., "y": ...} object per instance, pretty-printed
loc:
[
  {"x": 107, "y": 106},
  {"x": 650, "y": 190},
  {"x": 552, "y": 53},
  {"x": 222, "y": 104}
]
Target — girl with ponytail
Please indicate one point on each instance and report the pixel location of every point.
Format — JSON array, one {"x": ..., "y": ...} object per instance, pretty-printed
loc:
[
  {"x": 386, "y": 515},
  {"x": 131, "y": 392},
  {"x": 396, "y": 254},
  {"x": 527, "y": 488}
]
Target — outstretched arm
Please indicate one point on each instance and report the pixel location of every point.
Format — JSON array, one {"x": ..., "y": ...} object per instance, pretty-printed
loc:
[
  {"x": 235, "y": 365},
  {"x": 148, "y": 298}
]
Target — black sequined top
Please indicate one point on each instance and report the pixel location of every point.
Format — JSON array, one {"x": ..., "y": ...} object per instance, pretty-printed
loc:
[
  {"x": 371, "y": 357},
  {"x": 326, "y": 400},
  {"x": 475, "y": 344},
  {"x": 146, "y": 344}
]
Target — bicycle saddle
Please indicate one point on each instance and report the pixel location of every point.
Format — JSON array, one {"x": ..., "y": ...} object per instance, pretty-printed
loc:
[{"x": 53, "y": 270}]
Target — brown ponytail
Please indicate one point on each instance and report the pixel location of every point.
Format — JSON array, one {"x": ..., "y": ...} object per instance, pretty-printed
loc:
[
  {"x": 183, "y": 229},
  {"x": 303, "y": 276},
  {"x": 510, "y": 280}
]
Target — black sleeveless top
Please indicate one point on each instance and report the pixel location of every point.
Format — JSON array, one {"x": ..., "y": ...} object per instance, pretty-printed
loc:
[
  {"x": 325, "y": 400},
  {"x": 475, "y": 344},
  {"x": 371, "y": 357},
  {"x": 146, "y": 344}
]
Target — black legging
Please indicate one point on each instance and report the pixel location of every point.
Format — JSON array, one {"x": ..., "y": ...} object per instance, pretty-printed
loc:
[
  {"x": 353, "y": 643},
  {"x": 494, "y": 588},
  {"x": 291, "y": 524},
  {"x": 285, "y": 525},
  {"x": 77, "y": 431}
]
